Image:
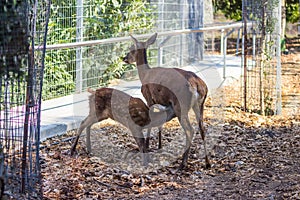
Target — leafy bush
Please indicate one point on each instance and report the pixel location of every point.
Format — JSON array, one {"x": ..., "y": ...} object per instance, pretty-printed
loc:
[
  {"x": 232, "y": 9},
  {"x": 114, "y": 18},
  {"x": 292, "y": 12},
  {"x": 102, "y": 19},
  {"x": 58, "y": 81}
]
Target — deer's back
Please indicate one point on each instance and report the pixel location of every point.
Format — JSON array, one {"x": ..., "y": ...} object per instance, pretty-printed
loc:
[
  {"x": 119, "y": 106},
  {"x": 167, "y": 86},
  {"x": 195, "y": 81}
]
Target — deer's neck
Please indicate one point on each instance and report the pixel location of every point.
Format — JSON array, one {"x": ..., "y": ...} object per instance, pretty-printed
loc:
[{"x": 142, "y": 63}]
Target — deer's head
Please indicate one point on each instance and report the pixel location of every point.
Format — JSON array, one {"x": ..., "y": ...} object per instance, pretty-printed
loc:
[{"x": 138, "y": 48}]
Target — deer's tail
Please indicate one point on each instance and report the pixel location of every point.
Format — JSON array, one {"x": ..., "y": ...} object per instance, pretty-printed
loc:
[{"x": 90, "y": 90}]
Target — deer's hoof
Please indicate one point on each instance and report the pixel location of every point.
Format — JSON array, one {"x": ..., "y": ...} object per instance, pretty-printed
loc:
[
  {"x": 146, "y": 160},
  {"x": 207, "y": 163},
  {"x": 182, "y": 166},
  {"x": 207, "y": 166},
  {"x": 72, "y": 152},
  {"x": 89, "y": 151}
]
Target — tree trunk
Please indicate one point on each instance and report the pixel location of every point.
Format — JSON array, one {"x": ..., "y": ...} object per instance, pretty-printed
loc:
[{"x": 262, "y": 59}]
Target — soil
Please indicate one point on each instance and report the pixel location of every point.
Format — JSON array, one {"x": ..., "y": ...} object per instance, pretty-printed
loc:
[{"x": 252, "y": 157}]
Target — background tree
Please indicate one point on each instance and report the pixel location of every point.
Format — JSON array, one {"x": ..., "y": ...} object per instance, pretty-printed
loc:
[{"x": 232, "y": 9}]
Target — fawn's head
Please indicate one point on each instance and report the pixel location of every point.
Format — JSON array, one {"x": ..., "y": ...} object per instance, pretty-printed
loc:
[{"x": 137, "y": 48}]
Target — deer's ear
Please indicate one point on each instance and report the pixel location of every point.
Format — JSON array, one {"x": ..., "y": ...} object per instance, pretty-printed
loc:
[
  {"x": 135, "y": 41},
  {"x": 151, "y": 40}
]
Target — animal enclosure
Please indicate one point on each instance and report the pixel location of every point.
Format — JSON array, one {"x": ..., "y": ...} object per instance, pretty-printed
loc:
[
  {"x": 261, "y": 58},
  {"x": 92, "y": 41},
  {"x": 23, "y": 27},
  {"x": 86, "y": 42}
]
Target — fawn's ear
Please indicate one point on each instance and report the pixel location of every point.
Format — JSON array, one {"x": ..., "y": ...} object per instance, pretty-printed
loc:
[
  {"x": 90, "y": 90},
  {"x": 151, "y": 40}
]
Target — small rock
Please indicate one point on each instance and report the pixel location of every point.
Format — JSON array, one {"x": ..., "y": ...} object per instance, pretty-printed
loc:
[
  {"x": 164, "y": 163},
  {"x": 258, "y": 136},
  {"x": 198, "y": 173},
  {"x": 239, "y": 162}
]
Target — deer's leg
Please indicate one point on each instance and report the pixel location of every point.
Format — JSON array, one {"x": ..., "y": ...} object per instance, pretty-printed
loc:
[
  {"x": 189, "y": 133},
  {"x": 147, "y": 141},
  {"x": 88, "y": 121},
  {"x": 159, "y": 137},
  {"x": 198, "y": 110},
  {"x": 147, "y": 138},
  {"x": 202, "y": 132},
  {"x": 140, "y": 140},
  {"x": 82, "y": 126},
  {"x": 88, "y": 138}
]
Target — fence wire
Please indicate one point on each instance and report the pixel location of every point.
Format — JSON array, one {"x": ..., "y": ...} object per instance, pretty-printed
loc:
[
  {"x": 70, "y": 70},
  {"x": 261, "y": 58},
  {"x": 23, "y": 25}
]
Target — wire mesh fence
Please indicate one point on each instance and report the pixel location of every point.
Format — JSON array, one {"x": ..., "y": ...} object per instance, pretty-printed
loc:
[
  {"x": 73, "y": 69},
  {"x": 22, "y": 27},
  {"x": 96, "y": 64},
  {"x": 261, "y": 60},
  {"x": 86, "y": 43}
]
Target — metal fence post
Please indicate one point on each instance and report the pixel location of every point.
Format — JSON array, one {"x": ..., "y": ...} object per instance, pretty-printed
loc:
[
  {"x": 160, "y": 56},
  {"x": 201, "y": 34},
  {"x": 161, "y": 27},
  {"x": 182, "y": 11},
  {"x": 278, "y": 109},
  {"x": 238, "y": 42},
  {"x": 222, "y": 41},
  {"x": 244, "y": 54},
  {"x": 224, "y": 56},
  {"x": 79, "y": 36},
  {"x": 253, "y": 44}
]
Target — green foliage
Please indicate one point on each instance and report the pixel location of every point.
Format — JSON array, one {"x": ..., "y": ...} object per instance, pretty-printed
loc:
[
  {"x": 102, "y": 19},
  {"x": 57, "y": 81},
  {"x": 114, "y": 71},
  {"x": 292, "y": 11},
  {"x": 232, "y": 9},
  {"x": 111, "y": 18},
  {"x": 14, "y": 36}
]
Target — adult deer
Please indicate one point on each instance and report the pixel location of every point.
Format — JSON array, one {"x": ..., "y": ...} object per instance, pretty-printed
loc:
[
  {"x": 180, "y": 89},
  {"x": 131, "y": 112}
]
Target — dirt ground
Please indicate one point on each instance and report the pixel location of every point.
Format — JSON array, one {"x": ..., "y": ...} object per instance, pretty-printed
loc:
[{"x": 252, "y": 156}]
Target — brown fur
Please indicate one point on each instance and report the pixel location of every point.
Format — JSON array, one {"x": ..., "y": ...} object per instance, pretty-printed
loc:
[
  {"x": 180, "y": 89},
  {"x": 132, "y": 112},
  {"x": 138, "y": 110}
]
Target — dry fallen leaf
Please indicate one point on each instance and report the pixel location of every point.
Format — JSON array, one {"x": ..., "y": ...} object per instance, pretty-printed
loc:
[{"x": 252, "y": 156}]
